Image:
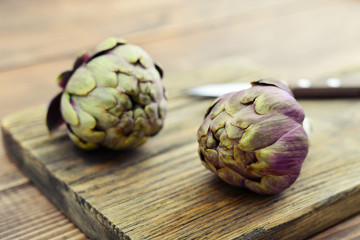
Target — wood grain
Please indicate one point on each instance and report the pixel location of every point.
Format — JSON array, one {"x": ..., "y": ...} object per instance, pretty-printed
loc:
[
  {"x": 346, "y": 230},
  {"x": 180, "y": 35},
  {"x": 30, "y": 212},
  {"x": 159, "y": 21},
  {"x": 161, "y": 191}
]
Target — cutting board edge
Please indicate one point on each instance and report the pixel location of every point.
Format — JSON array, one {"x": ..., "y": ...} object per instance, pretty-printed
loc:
[
  {"x": 322, "y": 216},
  {"x": 96, "y": 225}
]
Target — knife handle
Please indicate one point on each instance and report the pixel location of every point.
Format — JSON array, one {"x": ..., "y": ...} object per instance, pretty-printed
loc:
[
  {"x": 344, "y": 85},
  {"x": 326, "y": 92}
]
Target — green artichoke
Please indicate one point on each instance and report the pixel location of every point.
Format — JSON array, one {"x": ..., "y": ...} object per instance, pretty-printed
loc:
[
  {"x": 254, "y": 138},
  {"x": 112, "y": 98}
]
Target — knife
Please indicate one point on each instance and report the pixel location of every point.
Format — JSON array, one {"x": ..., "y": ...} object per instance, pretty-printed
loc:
[{"x": 346, "y": 86}]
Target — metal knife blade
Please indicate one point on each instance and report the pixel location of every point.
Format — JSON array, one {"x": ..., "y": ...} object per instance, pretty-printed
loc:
[{"x": 217, "y": 90}]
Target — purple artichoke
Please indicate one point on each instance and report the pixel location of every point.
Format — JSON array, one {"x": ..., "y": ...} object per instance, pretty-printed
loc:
[{"x": 255, "y": 138}]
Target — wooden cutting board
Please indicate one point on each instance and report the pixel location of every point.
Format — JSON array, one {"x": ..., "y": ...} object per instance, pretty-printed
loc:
[{"x": 162, "y": 191}]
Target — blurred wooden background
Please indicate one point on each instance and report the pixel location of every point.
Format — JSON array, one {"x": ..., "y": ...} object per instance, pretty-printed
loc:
[{"x": 39, "y": 39}]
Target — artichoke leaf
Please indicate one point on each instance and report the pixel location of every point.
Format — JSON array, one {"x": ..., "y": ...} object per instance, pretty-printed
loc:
[{"x": 53, "y": 116}]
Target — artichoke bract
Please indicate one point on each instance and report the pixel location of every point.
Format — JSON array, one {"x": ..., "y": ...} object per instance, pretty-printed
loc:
[
  {"x": 113, "y": 98},
  {"x": 254, "y": 138}
]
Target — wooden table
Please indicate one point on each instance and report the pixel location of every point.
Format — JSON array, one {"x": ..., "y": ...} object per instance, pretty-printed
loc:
[{"x": 39, "y": 39}]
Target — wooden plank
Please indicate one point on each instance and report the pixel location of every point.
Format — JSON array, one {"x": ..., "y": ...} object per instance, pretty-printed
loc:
[
  {"x": 10, "y": 177},
  {"x": 18, "y": 92},
  {"x": 25, "y": 214},
  {"x": 348, "y": 229},
  {"x": 161, "y": 190},
  {"x": 62, "y": 31}
]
